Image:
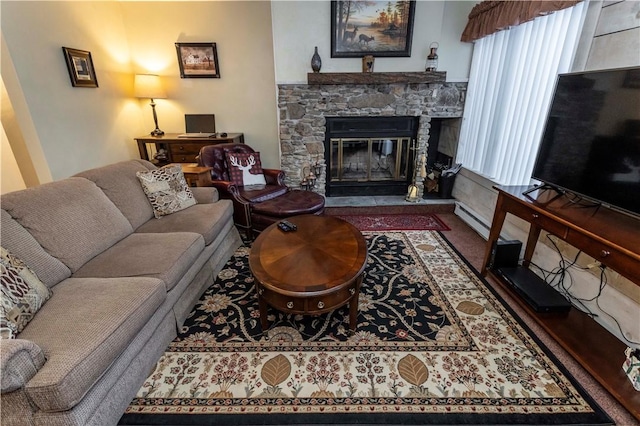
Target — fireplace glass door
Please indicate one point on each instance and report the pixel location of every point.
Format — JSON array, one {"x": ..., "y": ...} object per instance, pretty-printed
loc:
[{"x": 369, "y": 159}]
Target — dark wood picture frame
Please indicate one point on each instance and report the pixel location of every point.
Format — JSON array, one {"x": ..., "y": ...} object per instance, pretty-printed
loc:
[
  {"x": 198, "y": 60},
  {"x": 380, "y": 28},
  {"x": 80, "y": 66}
]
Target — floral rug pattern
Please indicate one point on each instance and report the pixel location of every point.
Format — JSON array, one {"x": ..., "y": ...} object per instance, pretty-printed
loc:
[
  {"x": 395, "y": 222},
  {"x": 430, "y": 338}
]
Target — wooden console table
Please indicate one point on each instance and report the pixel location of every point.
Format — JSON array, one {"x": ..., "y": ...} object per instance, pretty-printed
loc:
[
  {"x": 612, "y": 238},
  {"x": 182, "y": 150}
]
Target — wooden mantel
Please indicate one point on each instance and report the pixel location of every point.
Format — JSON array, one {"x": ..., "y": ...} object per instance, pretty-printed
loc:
[{"x": 376, "y": 77}]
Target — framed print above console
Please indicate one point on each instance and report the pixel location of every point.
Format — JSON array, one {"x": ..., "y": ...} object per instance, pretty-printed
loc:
[{"x": 198, "y": 60}]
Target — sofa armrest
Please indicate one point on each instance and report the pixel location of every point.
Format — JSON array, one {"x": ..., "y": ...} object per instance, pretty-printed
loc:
[
  {"x": 20, "y": 360},
  {"x": 205, "y": 194},
  {"x": 274, "y": 176}
]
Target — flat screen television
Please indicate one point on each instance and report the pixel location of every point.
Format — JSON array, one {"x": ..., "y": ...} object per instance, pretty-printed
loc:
[{"x": 591, "y": 141}]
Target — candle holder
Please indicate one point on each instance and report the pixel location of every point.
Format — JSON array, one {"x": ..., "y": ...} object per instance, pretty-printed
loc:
[{"x": 309, "y": 179}]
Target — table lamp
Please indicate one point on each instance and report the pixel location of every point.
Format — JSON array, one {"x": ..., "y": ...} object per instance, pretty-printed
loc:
[{"x": 148, "y": 86}]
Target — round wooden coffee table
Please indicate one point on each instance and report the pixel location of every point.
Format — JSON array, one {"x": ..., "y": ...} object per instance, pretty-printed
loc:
[{"x": 313, "y": 270}]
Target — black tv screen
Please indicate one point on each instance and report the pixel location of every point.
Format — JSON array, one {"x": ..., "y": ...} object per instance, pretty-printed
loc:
[{"x": 591, "y": 142}]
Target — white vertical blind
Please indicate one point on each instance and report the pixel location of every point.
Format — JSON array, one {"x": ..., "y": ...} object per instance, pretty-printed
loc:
[{"x": 511, "y": 83}]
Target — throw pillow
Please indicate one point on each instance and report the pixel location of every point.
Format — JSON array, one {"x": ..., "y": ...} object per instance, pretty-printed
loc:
[
  {"x": 166, "y": 189},
  {"x": 23, "y": 294},
  {"x": 245, "y": 168}
]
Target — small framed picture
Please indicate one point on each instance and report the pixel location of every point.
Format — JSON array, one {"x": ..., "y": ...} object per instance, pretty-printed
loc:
[
  {"x": 80, "y": 66},
  {"x": 198, "y": 60}
]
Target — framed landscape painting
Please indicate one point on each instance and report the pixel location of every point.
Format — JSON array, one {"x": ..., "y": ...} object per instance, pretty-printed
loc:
[
  {"x": 378, "y": 28},
  {"x": 198, "y": 60}
]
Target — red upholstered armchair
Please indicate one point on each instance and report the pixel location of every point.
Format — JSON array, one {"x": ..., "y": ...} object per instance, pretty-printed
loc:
[{"x": 243, "y": 198}]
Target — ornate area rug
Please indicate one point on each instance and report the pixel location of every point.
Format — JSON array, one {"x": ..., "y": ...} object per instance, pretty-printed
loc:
[
  {"x": 433, "y": 345},
  {"x": 395, "y": 222}
]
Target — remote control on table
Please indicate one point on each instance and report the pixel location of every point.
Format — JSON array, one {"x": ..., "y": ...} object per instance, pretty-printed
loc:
[
  {"x": 289, "y": 224},
  {"x": 285, "y": 228}
]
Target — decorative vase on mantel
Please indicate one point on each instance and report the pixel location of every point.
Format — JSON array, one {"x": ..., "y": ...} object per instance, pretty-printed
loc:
[{"x": 316, "y": 61}]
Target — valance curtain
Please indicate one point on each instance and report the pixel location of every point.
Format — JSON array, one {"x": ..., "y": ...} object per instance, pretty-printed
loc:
[{"x": 491, "y": 16}]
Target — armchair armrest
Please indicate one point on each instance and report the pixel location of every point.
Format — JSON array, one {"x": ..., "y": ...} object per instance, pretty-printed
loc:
[
  {"x": 20, "y": 360},
  {"x": 274, "y": 176}
]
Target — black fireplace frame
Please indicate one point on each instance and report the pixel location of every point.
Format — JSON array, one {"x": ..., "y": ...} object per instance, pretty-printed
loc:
[{"x": 370, "y": 127}]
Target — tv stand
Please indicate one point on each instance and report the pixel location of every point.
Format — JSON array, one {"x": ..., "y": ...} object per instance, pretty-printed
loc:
[
  {"x": 544, "y": 187},
  {"x": 612, "y": 238}
]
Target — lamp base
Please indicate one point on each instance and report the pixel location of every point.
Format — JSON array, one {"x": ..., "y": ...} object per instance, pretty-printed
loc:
[{"x": 157, "y": 132}]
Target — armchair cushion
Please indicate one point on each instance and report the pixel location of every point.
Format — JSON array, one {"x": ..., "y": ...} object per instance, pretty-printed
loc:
[{"x": 245, "y": 169}]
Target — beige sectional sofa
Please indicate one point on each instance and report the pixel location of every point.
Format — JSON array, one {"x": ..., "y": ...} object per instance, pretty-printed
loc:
[{"x": 122, "y": 283}]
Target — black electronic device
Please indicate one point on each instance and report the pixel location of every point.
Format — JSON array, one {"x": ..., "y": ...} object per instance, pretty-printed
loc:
[
  {"x": 505, "y": 253},
  {"x": 287, "y": 226},
  {"x": 200, "y": 123},
  {"x": 533, "y": 289},
  {"x": 591, "y": 141}
]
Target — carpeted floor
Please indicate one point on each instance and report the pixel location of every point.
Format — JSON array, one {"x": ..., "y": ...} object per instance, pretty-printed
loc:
[{"x": 433, "y": 345}]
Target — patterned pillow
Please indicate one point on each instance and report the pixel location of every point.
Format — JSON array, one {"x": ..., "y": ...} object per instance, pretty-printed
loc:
[
  {"x": 166, "y": 189},
  {"x": 245, "y": 168},
  {"x": 22, "y": 294}
]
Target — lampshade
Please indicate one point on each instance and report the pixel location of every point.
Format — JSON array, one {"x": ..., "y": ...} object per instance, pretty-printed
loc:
[{"x": 148, "y": 86}]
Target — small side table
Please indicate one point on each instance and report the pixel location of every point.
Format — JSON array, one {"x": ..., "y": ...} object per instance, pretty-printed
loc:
[{"x": 196, "y": 175}]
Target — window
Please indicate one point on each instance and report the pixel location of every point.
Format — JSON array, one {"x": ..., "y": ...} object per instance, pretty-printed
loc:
[{"x": 511, "y": 84}]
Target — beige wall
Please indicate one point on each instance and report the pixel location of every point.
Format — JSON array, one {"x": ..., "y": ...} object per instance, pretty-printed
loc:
[
  {"x": 10, "y": 177},
  {"x": 299, "y": 26},
  {"x": 77, "y": 128},
  {"x": 80, "y": 128},
  {"x": 243, "y": 99}
]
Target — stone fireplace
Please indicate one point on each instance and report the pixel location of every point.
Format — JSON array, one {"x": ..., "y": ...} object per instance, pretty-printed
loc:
[{"x": 304, "y": 110}]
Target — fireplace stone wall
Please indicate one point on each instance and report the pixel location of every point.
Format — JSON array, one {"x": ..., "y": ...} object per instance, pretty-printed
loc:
[{"x": 302, "y": 110}]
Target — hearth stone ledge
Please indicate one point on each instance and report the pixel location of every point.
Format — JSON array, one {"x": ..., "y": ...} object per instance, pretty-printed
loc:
[{"x": 302, "y": 110}]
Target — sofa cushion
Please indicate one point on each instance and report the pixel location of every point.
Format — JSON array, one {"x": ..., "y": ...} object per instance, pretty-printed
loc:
[
  {"x": 165, "y": 256},
  {"x": 119, "y": 182},
  {"x": 72, "y": 219},
  {"x": 81, "y": 343},
  {"x": 204, "y": 219},
  {"x": 166, "y": 189},
  {"x": 22, "y": 294},
  {"x": 21, "y": 243}
]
